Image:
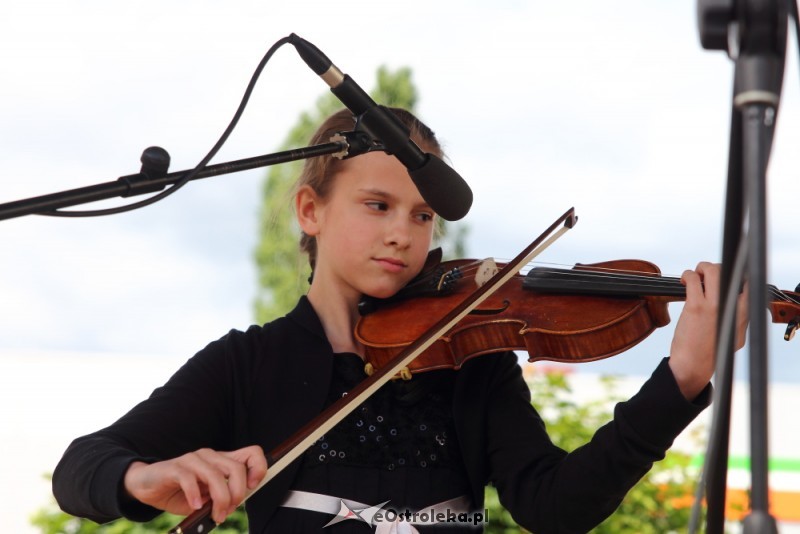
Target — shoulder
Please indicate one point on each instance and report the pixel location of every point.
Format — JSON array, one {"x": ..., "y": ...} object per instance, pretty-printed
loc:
[
  {"x": 255, "y": 336},
  {"x": 237, "y": 354},
  {"x": 288, "y": 344},
  {"x": 289, "y": 333}
]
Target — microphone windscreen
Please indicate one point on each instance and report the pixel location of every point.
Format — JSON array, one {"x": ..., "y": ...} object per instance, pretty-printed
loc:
[{"x": 443, "y": 188}]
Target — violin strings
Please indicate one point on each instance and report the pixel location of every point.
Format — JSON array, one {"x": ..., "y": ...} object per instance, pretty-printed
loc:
[
  {"x": 776, "y": 293},
  {"x": 609, "y": 270},
  {"x": 618, "y": 276},
  {"x": 654, "y": 283},
  {"x": 642, "y": 278},
  {"x": 654, "y": 279}
]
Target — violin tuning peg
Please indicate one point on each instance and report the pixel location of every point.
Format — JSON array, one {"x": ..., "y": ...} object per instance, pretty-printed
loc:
[{"x": 791, "y": 328}]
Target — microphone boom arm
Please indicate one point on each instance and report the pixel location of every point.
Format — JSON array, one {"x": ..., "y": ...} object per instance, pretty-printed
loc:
[{"x": 153, "y": 176}]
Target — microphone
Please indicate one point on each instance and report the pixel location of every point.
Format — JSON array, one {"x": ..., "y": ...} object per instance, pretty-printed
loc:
[{"x": 442, "y": 187}]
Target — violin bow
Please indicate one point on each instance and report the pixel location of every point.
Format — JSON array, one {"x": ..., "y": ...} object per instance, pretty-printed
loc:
[{"x": 200, "y": 522}]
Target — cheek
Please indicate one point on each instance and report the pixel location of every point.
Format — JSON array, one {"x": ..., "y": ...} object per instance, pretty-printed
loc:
[
  {"x": 353, "y": 237},
  {"x": 421, "y": 247},
  {"x": 424, "y": 239}
]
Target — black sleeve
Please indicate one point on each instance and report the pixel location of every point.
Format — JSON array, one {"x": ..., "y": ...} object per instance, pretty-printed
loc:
[
  {"x": 549, "y": 491},
  {"x": 198, "y": 407}
]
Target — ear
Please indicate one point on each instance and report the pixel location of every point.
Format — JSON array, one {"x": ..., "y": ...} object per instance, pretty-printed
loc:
[{"x": 307, "y": 206}]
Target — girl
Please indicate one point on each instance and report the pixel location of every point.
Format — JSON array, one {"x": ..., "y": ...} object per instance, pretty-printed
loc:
[{"x": 434, "y": 441}]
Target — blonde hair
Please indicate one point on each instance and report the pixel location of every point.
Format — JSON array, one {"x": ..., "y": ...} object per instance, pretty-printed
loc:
[{"x": 319, "y": 173}]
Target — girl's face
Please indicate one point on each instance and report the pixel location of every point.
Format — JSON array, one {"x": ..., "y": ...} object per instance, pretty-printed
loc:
[{"x": 373, "y": 230}]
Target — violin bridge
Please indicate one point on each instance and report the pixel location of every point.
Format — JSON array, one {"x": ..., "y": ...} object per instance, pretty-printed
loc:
[{"x": 486, "y": 270}]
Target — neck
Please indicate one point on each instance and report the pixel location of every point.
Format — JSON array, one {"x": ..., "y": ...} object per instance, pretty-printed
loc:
[{"x": 338, "y": 315}]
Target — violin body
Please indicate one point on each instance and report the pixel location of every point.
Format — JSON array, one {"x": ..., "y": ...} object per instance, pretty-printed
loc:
[
  {"x": 587, "y": 313},
  {"x": 548, "y": 325}
]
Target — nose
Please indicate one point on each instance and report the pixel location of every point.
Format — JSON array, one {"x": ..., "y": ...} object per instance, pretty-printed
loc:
[{"x": 398, "y": 233}]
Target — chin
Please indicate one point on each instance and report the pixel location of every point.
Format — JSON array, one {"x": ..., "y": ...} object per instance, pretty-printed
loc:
[{"x": 382, "y": 292}]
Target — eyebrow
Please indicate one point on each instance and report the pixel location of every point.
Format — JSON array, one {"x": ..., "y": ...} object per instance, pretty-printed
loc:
[{"x": 388, "y": 196}]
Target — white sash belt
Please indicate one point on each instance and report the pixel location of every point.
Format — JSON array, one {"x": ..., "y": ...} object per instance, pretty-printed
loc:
[{"x": 344, "y": 509}]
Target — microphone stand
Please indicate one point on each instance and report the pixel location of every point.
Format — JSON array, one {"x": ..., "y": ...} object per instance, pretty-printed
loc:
[
  {"x": 754, "y": 34},
  {"x": 154, "y": 176}
]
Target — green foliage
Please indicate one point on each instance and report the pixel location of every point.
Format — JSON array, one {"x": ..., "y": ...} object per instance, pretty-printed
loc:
[
  {"x": 51, "y": 520},
  {"x": 658, "y": 504},
  {"x": 283, "y": 270}
]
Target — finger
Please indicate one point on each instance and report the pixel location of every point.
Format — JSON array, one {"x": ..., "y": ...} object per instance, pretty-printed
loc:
[
  {"x": 256, "y": 466},
  {"x": 236, "y": 466},
  {"x": 236, "y": 474},
  {"x": 694, "y": 289},
  {"x": 187, "y": 481},
  {"x": 252, "y": 457},
  {"x": 710, "y": 274},
  {"x": 213, "y": 470}
]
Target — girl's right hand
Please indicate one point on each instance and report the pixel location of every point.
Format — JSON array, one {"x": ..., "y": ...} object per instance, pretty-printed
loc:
[{"x": 183, "y": 484}]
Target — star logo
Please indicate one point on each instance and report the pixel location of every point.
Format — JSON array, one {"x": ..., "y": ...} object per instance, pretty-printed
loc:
[{"x": 364, "y": 514}]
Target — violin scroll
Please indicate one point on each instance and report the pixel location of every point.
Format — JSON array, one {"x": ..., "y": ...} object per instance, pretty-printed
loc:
[{"x": 787, "y": 308}]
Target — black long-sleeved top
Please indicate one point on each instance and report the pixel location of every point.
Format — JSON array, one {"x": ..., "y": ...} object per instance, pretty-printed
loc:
[{"x": 260, "y": 386}]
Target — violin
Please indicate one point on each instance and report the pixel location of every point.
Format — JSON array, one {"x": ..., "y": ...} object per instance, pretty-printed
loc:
[{"x": 586, "y": 313}]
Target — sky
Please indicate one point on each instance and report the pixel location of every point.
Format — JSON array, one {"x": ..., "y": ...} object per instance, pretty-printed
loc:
[{"x": 541, "y": 106}]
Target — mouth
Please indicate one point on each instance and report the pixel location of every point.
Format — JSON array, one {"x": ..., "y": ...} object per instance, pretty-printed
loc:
[{"x": 391, "y": 264}]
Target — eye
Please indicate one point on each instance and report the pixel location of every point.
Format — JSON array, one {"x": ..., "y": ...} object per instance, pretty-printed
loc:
[
  {"x": 377, "y": 205},
  {"x": 425, "y": 217}
]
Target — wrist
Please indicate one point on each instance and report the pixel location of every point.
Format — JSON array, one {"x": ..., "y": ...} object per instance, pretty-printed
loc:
[
  {"x": 129, "y": 506},
  {"x": 131, "y": 478},
  {"x": 689, "y": 381}
]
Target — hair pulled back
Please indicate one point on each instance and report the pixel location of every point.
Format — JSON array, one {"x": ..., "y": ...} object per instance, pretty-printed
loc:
[{"x": 319, "y": 172}]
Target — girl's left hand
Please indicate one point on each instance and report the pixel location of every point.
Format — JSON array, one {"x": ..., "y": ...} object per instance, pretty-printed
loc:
[{"x": 693, "y": 351}]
